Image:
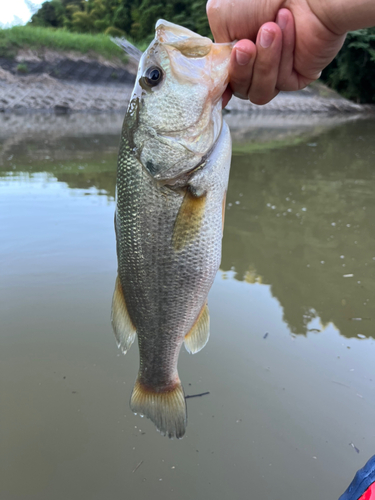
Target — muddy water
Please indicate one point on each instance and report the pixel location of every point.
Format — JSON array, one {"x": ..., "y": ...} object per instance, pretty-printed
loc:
[{"x": 290, "y": 363}]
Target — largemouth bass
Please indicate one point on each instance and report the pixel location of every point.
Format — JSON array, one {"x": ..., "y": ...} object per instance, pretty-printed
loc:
[{"x": 172, "y": 178}]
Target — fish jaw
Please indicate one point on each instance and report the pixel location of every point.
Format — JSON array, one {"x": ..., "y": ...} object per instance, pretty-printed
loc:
[
  {"x": 196, "y": 59},
  {"x": 179, "y": 120}
]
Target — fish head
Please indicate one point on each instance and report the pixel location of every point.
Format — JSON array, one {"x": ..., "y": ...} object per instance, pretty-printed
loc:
[{"x": 175, "y": 109}]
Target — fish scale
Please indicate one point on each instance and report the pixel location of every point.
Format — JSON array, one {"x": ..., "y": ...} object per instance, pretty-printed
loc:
[
  {"x": 153, "y": 276},
  {"x": 169, "y": 222}
]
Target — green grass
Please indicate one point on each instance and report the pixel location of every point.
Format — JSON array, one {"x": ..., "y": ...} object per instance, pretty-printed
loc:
[
  {"x": 12, "y": 39},
  {"x": 22, "y": 68}
]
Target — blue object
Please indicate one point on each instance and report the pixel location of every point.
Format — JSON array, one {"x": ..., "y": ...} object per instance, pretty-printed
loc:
[{"x": 363, "y": 479}]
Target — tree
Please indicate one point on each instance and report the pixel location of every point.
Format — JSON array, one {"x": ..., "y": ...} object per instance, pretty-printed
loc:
[
  {"x": 352, "y": 73},
  {"x": 50, "y": 14},
  {"x": 136, "y": 18}
]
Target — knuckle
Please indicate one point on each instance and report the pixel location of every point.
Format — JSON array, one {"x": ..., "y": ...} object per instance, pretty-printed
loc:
[
  {"x": 283, "y": 84},
  {"x": 260, "y": 100},
  {"x": 217, "y": 15},
  {"x": 212, "y": 9},
  {"x": 266, "y": 66},
  {"x": 240, "y": 81},
  {"x": 241, "y": 94}
]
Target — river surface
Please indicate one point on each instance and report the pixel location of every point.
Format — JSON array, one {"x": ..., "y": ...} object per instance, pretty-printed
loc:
[{"x": 289, "y": 367}]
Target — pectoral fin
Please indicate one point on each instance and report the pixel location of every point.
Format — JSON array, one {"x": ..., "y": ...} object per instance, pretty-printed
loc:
[
  {"x": 198, "y": 336},
  {"x": 121, "y": 322},
  {"x": 189, "y": 220}
]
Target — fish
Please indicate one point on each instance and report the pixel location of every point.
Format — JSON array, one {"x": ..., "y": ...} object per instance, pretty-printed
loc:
[{"x": 172, "y": 178}]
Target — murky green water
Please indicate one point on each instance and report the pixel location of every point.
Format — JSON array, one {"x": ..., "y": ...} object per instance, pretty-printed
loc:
[{"x": 290, "y": 363}]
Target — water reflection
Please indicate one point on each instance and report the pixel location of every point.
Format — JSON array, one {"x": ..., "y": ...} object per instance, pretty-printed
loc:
[
  {"x": 79, "y": 150},
  {"x": 300, "y": 217},
  {"x": 282, "y": 413}
]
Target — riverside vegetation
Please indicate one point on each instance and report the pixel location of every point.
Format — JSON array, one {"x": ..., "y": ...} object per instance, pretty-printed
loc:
[{"x": 85, "y": 25}]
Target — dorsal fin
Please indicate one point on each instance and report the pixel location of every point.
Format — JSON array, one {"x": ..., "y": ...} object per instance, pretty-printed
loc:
[
  {"x": 198, "y": 336},
  {"x": 122, "y": 324},
  {"x": 129, "y": 48}
]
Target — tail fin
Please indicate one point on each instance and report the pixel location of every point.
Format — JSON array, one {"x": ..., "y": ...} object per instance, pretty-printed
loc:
[{"x": 167, "y": 410}]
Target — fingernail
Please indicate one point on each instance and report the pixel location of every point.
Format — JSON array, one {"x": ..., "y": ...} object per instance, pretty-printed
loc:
[
  {"x": 266, "y": 38},
  {"x": 282, "y": 19},
  {"x": 242, "y": 58}
]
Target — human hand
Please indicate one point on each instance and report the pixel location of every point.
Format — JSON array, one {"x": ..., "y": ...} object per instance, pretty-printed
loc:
[{"x": 287, "y": 54}]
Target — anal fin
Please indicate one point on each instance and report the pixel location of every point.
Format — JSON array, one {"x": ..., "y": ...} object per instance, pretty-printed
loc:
[
  {"x": 121, "y": 322},
  {"x": 198, "y": 336}
]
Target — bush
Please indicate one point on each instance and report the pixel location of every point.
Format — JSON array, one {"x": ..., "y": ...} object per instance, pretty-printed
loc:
[
  {"x": 82, "y": 22},
  {"x": 352, "y": 73},
  {"x": 112, "y": 31}
]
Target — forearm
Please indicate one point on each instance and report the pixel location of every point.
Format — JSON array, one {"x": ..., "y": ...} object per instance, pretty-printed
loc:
[{"x": 341, "y": 16}]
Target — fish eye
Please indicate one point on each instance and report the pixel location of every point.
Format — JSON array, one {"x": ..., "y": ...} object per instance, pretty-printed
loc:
[{"x": 153, "y": 76}]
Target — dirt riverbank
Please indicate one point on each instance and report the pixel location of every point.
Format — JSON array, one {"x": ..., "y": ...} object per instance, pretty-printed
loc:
[{"x": 50, "y": 81}]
